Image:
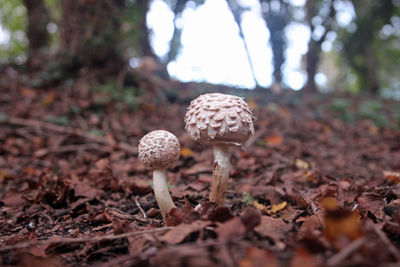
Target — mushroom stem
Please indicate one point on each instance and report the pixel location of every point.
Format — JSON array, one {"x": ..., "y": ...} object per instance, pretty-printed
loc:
[
  {"x": 161, "y": 191},
  {"x": 220, "y": 174}
]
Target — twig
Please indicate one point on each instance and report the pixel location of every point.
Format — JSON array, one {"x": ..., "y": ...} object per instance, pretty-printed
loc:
[
  {"x": 70, "y": 131},
  {"x": 140, "y": 207},
  {"x": 387, "y": 242},
  {"x": 345, "y": 252},
  {"x": 81, "y": 240},
  {"x": 69, "y": 148}
]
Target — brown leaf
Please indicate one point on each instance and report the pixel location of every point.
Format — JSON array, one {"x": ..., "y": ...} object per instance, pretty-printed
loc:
[
  {"x": 272, "y": 228},
  {"x": 392, "y": 176},
  {"x": 186, "y": 152},
  {"x": 342, "y": 226},
  {"x": 303, "y": 258},
  {"x": 13, "y": 199},
  {"x": 256, "y": 257},
  {"x": 180, "y": 232},
  {"x": 273, "y": 140},
  {"x": 232, "y": 229},
  {"x": 181, "y": 215}
]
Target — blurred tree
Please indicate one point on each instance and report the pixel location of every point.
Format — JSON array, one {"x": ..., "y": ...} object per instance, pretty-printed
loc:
[
  {"x": 277, "y": 15},
  {"x": 13, "y": 20},
  {"x": 362, "y": 46},
  {"x": 320, "y": 15},
  {"x": 177, "y": 7},
  {"x": 90, "y": 34},
  {"x": 37, "y": 33}
]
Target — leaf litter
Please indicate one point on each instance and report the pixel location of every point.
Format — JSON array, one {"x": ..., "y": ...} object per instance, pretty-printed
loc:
[{"x": 309, "y": 190}]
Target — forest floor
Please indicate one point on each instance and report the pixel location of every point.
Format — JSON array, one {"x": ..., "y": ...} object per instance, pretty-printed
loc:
[{"x": 317, "y": 186}]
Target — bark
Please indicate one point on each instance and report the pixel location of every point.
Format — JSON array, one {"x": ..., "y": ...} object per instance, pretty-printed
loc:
[
  {"x": 38, "y": 37},
  {"x": 90, "y": 34},
  {"x": 276, "y": 21},
  {"x": 373, "y": 83},
  {"x": 144, "y": 48},
  {"x": 175, "y": 43},
  {"x": 312, "y": 57},
  {"x": 314, "y": 46}
]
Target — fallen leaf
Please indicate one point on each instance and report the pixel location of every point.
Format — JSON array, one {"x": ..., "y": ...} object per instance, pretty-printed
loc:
[
  {"x": 186, "y": 152},
  {"x": 13, "y": 199},
  {"x": 258, "y": 257},
  {"x": 272, "y": 209},
  {"x": 278, "y": 207},
  {"x": 232, "y": 229},
  {"x": 301, "y": 164},
  {"x": 180, "y": 232},
  {"x": 342, "y": 226},
  {"x": 252, "y": 103},
  {"x": 49, "y": 99},
  {"x": 273, "y": 140},
  {"x": 392, "y": 176},
  {"x": 273, "y": 228},
  {"x": 303, "y": 258}
]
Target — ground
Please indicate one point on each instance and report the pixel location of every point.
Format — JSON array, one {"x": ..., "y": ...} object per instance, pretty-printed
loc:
[{"x": 316, "y": 186}]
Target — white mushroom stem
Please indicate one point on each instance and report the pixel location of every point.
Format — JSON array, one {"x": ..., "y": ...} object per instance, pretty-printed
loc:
[
  {"x": 220, "y": 174},
  {"x": 161, "y": 191}
]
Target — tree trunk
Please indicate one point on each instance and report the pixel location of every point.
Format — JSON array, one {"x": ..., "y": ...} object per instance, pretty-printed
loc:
[
  {"x": 373, "y": 83},
  {"x": 90, "y": 34},
  {"x": 312, "y": 65},
  {"x": 38, "y": 37},
  {"x": 175, "y": 43},
  {"x": 144, "y": 48}
]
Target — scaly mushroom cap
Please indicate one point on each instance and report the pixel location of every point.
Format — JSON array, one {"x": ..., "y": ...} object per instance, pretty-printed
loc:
[
  {"x": 219, "y": 118},
  {"x": 158, "y": 149}
]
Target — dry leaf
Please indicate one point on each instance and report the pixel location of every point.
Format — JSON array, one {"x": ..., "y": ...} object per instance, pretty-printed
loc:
[
  {"x": 270, "y": 210},
  {"x": 256, "y": 257},
  {"x": 186, "y": 152},
  {"x": 392, "y": 176},
  {"x": 301, "y": 164},
  {"x": 49, "y": 99},
  {"x": 273, "y": 140},
  {"x": 180, "y": 232}
]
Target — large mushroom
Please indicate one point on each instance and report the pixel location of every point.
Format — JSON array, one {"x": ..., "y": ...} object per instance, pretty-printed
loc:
[
  {"x": 159, "y": 150},
  {"x": 223, "y": 121}
]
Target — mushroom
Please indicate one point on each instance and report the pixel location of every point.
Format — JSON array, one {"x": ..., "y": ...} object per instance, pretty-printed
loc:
[
  {"x": 223, "y": 121},
  {"x": 159, "y": 150}
]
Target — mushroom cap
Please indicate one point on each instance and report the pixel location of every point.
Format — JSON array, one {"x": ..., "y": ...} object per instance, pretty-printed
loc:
[
  {"x": 158, "y": 149},
  {"x": 219, "y": 119}
]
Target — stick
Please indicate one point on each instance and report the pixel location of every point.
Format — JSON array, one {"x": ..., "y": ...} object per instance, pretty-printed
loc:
[
  {"x": 70, "y": 131},
  {"x": 140, "y": 207},
  {"x": 69, "y": 148},
  {"x": 345, "y": 252},
  {"x": 68, "y": 240},
  {"x": 387, "y": 242}
]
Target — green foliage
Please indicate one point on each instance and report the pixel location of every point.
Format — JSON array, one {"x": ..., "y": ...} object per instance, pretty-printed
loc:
[
  {"x": 3, "y": 117},
  {"x": 342, "y": 107},
  {"x": 372, "y": 57},
  {"x": 126, "y": 95},
  {"x": 13, "y": 19},
  {"x": 247, "y": 198},
  {"x": 373, "y": 110},
  {"x": 96, "y": 132},
  {"x": 369, "y": 109},
  {"x": 61, "y": 120}
]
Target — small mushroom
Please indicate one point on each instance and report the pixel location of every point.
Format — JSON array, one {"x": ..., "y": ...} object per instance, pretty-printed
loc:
[
  {"x": 223, "y": 121},
  {"x": 159, "y": 150}
]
